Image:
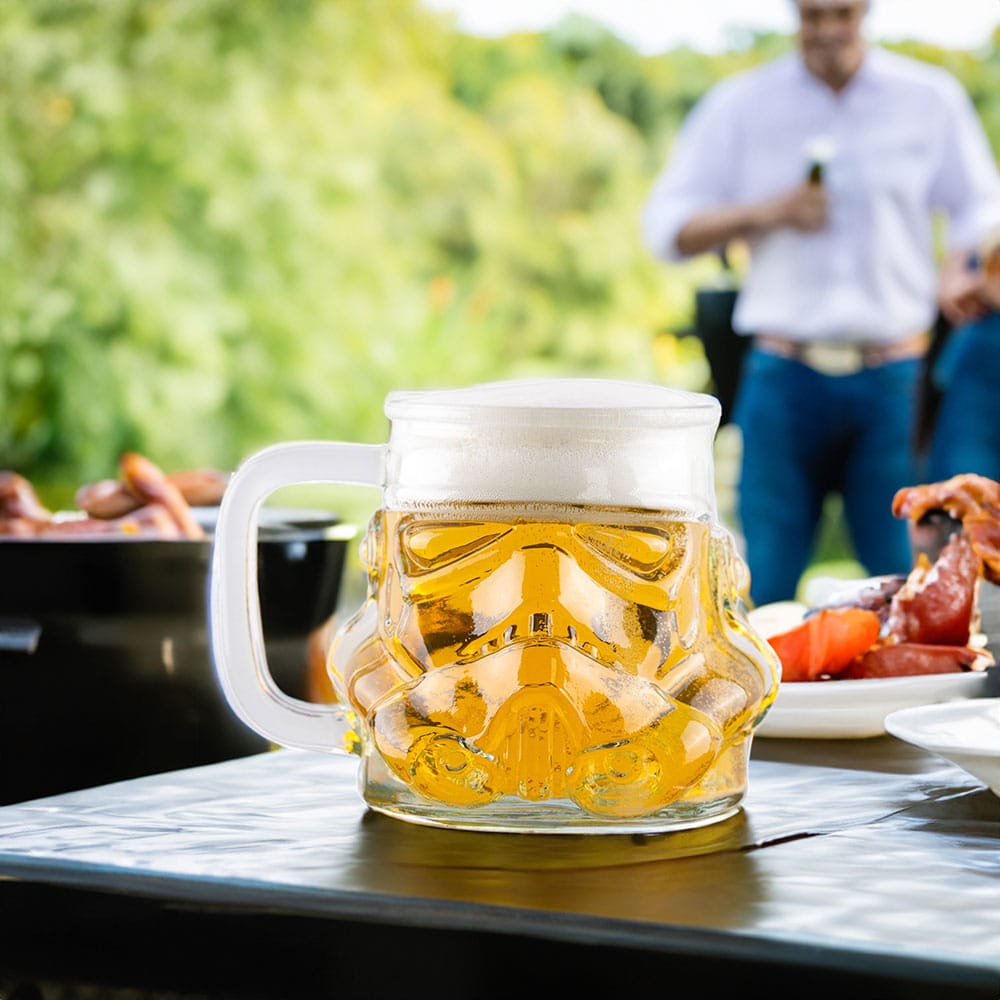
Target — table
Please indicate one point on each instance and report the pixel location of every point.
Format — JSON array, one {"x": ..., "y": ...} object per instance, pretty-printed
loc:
[{"x": 864, "y": 868}]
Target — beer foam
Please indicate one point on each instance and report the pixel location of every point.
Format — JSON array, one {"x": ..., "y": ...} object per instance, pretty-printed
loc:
[{"x": 579, "y": 441}]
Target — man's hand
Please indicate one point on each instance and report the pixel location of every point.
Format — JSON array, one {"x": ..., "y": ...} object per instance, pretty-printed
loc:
[
  {"x": 806, "y": 208},
  {"x": 963, "y": 292}
]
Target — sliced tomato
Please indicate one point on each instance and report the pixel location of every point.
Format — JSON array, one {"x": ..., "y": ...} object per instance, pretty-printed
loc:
[
  {"x": 825, "y": 643},
  {"x": 906, "y": 659}
]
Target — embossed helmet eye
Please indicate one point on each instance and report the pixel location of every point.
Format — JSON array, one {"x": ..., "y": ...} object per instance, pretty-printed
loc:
[
  {"x": 645, "y": 552},
  {"x": 427, "y": 546}
]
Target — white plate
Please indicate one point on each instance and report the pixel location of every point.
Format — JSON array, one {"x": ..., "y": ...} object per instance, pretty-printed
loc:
[
  {"x": 825, "y": 710},
  {"x": 966, "y": 733}
]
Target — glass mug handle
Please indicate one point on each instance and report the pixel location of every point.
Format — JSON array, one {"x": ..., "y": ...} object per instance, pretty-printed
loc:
[{"x": 235, "y": 622}]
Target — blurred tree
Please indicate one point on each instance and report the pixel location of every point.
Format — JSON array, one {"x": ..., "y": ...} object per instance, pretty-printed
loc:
[{"x": 230, "y": 223}]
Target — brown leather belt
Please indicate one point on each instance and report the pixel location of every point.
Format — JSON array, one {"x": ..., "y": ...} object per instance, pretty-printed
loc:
[{"x": 841, "y": 357}]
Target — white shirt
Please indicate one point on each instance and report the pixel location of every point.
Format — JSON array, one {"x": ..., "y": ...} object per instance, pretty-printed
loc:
[{"x": 905, "y": 143}]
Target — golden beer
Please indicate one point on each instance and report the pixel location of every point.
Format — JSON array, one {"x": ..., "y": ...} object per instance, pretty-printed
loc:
[{"x": 554, "y": 660}]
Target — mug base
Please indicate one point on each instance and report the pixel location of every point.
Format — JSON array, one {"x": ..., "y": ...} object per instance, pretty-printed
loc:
[
  {"x": 556, "y": 817},
  {"x": 716, "y": 798}
]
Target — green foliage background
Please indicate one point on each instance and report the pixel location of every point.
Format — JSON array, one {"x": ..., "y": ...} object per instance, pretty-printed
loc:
[{"x": 225, "y": 223}]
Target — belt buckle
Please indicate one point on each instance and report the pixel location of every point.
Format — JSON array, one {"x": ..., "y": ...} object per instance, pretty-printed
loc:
[{"x": 834, "y": 359}]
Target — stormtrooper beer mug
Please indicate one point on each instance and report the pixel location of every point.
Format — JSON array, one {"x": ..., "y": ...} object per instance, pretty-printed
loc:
[{"x": 555, "y": 637}]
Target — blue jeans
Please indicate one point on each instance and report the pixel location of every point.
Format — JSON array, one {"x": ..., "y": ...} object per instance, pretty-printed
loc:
[
  {"x": 806, "y": 435},
  {"x": 966, "y": 434}
]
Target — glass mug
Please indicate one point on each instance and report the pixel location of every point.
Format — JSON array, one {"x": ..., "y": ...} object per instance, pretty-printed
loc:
[{"x": 555, "y": 637}]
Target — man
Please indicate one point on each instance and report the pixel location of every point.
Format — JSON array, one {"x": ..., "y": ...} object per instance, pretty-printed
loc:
[
  {"x": 831, "y": 163},
  {"x": 966, "y": 432}
]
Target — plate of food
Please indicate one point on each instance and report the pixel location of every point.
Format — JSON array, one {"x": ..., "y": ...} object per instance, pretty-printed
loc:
[
  {"x": 889, "y": 643},
  {"x": 966, "y": 733}
]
